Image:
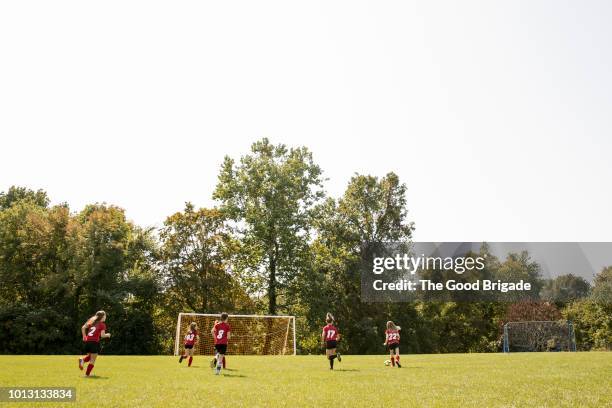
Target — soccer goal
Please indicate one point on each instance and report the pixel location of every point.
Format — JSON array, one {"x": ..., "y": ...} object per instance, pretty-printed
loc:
[
  {"x": 539, "y": 336},
  {"x": 250, "y": 334}
]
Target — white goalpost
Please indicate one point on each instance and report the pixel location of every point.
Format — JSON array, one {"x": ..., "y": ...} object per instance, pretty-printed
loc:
[{"x": 250, "y": 334}]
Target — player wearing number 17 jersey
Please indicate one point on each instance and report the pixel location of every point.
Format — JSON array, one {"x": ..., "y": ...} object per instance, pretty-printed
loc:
[
  {"x": 221, "y": 332},
  {"x": 330, "y": 338},
  {"x": 392, "y": 341}
]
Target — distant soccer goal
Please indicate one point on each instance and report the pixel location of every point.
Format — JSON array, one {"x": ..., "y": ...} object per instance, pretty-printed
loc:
[
  {"x": 250, "y": 334},
  {"x": 539, "y": 336}
]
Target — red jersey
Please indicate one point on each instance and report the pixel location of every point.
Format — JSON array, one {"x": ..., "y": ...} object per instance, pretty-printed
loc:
[
  {"x": 190, "y": 337},
  {"x": 393, "y": 336},
  {"x": 330, "y": 333},
  {"x": 220, "y": 332},
  {"x": 92, "y": 333}
]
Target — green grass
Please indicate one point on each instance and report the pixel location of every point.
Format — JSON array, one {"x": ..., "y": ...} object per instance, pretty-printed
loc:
[{"x": 474, "y": 380}]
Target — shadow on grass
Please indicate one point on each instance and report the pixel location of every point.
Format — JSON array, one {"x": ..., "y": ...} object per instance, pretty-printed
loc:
[
  {"x": 234, "y": 375},
  {"x": 95, "y": 377},
  {"x": 345, "y": 369}
]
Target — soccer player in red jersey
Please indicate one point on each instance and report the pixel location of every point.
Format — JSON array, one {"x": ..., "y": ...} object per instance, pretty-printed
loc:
[
  {"x": 93, "y": 330},
  {"x": 191, "y": 338},
  {"x": 213, "y": 362},
  {"x": 330, "y": 337},
  {"x": 221, "y": 333},
  {"x": 392, "y": 340}
]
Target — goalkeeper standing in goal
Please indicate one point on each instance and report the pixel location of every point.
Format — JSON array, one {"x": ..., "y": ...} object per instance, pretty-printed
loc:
[
  {"x": 221, "y": 333},
  {"x": 330, "y": 338},
  {"x": 191, "y": 338},
  {"x": 392, "y": 340}
]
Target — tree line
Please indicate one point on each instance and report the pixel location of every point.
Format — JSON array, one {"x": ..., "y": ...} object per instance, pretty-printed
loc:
[{"x": 276, "y": 243}]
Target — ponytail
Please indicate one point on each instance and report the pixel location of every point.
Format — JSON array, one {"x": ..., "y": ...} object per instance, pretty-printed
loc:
[
  {"x": 95, "y": 319},
  {"x": 393, "y": 326},
  {"x": 329, "y": 318}
]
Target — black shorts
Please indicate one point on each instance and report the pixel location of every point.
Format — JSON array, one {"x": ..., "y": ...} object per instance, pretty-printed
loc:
[
  {"x": 331, "y": 344},
  {"x": 221, "y": 348},
  {"x": 92, "y": 347},
  {"x": 188, "y": 346},
  {"x": 393, "y": 347}
]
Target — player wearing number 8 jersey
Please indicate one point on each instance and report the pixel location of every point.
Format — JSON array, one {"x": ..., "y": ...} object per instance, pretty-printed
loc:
[
  {"x": 330, "y": 338},
  {"x": 92, "y": 331},
  {"x": 221, "y": 332},
  {"x": 392, "y": 341}
]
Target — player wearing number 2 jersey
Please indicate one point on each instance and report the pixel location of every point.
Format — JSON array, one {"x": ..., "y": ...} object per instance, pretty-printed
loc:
[
  {"x": 93, "y": 330},
  {"x": 191, "y": 338},
  {"x": 330, "y": 337},
  {"x": 221, "y": 332},
  {"x": 392, "y": 341}
]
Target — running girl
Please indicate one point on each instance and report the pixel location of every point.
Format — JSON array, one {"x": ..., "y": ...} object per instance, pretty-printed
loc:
[
  {"x": 213, "y": 362},
  {"x": 392, "y": 341},
  {"x": 191, "y": 338},
  {"x": 330, "y": 337},
  {"x": 221, "y": 334},
  {"x": 93, "y": 330}
]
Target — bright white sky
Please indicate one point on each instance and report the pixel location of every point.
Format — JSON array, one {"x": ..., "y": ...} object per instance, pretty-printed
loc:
[{"x": 497, "y": 114}]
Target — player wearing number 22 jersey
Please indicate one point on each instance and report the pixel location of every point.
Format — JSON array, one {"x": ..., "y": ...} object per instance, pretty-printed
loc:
[{"x": 392, "y": 341}]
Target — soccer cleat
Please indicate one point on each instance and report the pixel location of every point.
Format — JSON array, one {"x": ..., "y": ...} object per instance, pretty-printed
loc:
[
  {"x": 81, "y": 364},
  {"x": 339, "y": 357},
  {"x": 398, "y": 365},
  {"x": 181, "y": 359}
]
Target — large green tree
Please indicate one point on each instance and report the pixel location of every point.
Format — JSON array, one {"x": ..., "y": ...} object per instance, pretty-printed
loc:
[
  {"x": 270, "y": 195},
  {"x": 57, "y": 268},
  {"x": 16, "y": 194},
  {"x": 371, "y": 212},
  {"x": 602, "y": 287},
  {"x": 196, "y": 253},
  {"x": 565, "y": 288}
]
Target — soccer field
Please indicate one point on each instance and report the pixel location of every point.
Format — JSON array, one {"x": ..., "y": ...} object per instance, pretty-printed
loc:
[{"x": 530, "y": 379}]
